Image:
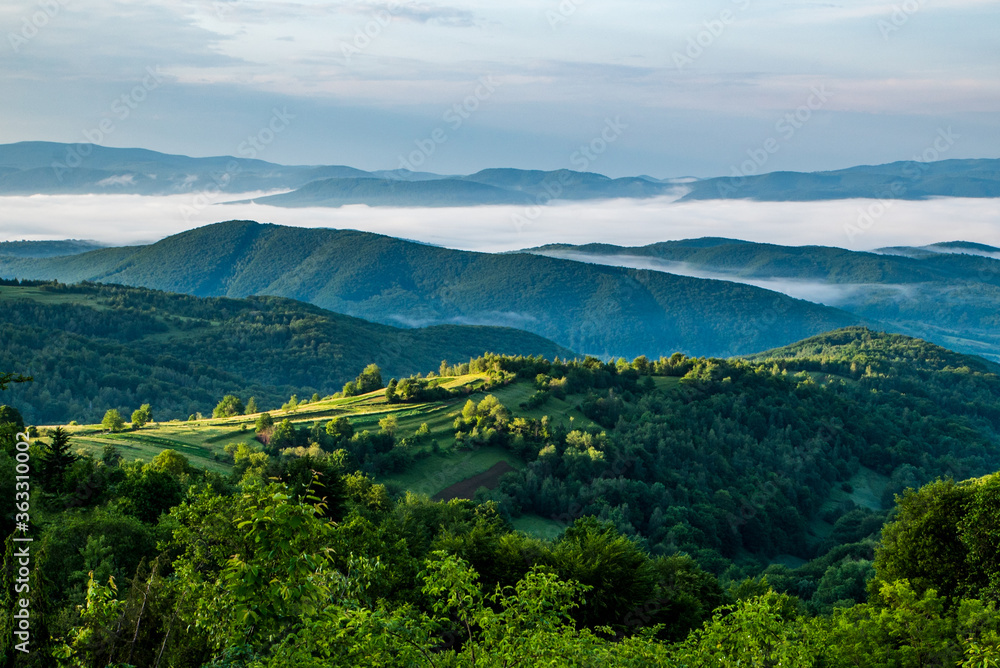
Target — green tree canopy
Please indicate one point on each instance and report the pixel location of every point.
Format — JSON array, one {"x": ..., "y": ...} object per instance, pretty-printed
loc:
[
  {"x": 230, "y": 406},
  {"x": 113, "y": 421},
  {"x": 142, "y": 416}
]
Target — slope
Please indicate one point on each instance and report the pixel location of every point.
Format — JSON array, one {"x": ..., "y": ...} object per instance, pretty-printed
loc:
[
  {"x": 947, "y": 293},
  {"x": 587, "y": 308},
  {"x": 91, "y": 348}
]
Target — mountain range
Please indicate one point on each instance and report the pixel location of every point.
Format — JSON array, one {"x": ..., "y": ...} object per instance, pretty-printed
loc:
[
  {"x": 29, "y": 168},
  {"x": 948, "y": 293},
  {"x": 588, "y": 308}
]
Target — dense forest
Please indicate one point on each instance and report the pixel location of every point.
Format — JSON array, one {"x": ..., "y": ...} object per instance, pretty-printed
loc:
[
  {"x": 589, "y": 309},
  {"x": 295, "y": 561},
  {"x": 96, "y": 347},
  {"x": 694, "y": 514},
  {"x": 948, "y": 293},
  {"x": 747, "y": 459}
]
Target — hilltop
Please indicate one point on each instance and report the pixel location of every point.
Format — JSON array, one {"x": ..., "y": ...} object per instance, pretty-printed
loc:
[
  {"x": 605, "y": 311},
  {"x": 91, "y": 348},
  {"x": 779, "y": 458},
  {"x": 948, "y": 293}
]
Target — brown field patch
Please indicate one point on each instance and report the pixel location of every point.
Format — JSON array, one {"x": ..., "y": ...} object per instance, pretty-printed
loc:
[{"x": 466, "y": 489}]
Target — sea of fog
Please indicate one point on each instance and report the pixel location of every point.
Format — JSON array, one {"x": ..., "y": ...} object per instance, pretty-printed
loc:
[{"x": 853, "y": 224}]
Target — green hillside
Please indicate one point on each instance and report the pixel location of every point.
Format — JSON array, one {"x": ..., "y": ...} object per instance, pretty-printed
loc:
[
  {"x": 46, "y": 248},
  {"x": 778, "y": 458},
  {"x": 946, "y": 293},
  {"x": 92, "y": 348},
  {"x": 681, "y": 511},
  {"x": 591, "y": 309}
]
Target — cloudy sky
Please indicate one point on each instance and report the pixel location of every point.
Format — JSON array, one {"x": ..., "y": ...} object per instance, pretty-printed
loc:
[{"x": 694, "y": 86}]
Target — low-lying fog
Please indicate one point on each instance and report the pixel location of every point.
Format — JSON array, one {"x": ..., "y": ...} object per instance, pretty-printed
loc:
[
  {"x": 821, "y": 292},
  {"x": 854, "y": 224}
]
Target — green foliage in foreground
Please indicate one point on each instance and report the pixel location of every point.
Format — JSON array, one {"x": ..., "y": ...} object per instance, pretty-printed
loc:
[
  {"x": 295, "y": 560},
  {"x": 262, "y": 578}
]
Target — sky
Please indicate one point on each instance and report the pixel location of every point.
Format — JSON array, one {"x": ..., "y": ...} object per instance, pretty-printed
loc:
[{"x": 693, "y": 87}]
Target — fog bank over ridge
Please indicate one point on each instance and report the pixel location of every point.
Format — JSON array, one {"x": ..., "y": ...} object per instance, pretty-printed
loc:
[{"x": 852, "y": 224}]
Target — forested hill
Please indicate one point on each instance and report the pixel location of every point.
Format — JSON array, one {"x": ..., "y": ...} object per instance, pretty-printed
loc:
[
  {"x": 91, "y": 348},
  {"x": 588, "y": 308},
  {"x": 710, "y": 513},
  {"x": 793, "y": 451},
  {"x": 948, "y": 293}
]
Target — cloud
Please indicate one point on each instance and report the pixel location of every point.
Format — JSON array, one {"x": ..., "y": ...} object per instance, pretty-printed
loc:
[
  {"x": 822, "y": 292},
  {"x": 126, "y": 219},
  {"x": 118, "y": 180}
]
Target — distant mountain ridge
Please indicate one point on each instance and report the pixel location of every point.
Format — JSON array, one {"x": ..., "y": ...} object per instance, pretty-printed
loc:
[
  {"x": 911, "y": 180},
  {"x": 589, "y": 309},
  {"x": 47, "y": 248},
  {"x": 29, "y": 168}
]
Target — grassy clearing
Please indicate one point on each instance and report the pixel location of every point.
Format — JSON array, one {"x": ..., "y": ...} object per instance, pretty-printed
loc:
[
  {"x": 438, "y": 472},
  {"x": 201, "y": 440},
  {"x": 133, "y": 447},
  {"x": 41, "y": 296},
  {"x": 538, "y": 526},
  {"x": 560, "y": 411},
  {"x": 666, "y": 382}
]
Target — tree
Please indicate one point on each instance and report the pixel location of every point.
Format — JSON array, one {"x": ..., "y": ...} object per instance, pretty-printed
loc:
[
  {"x": 230, "y": 406},
  {"x": 923, "y": 544},
  {"x": 389, "y": 424},
  {"x": 56, "y": 459},
  {"x": 264, "y": 421},
  {"x": 113, "y": 421},
  {"x": 390, "y": 392},
  {"x": 11, "y": 423},
  {"x": 270, "y": 572},
  {"x": 10, "y": 415},
  {"x": 7, "y": 378},
  {"x": 370, "y": 379},
  {"x": 251, "y": 406},
  {"x": 170, "y": 461},
  {"x": 284, "y": 435},
  {"x": 339, "y": 429},
  {"x": 142, "y": 416}
]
